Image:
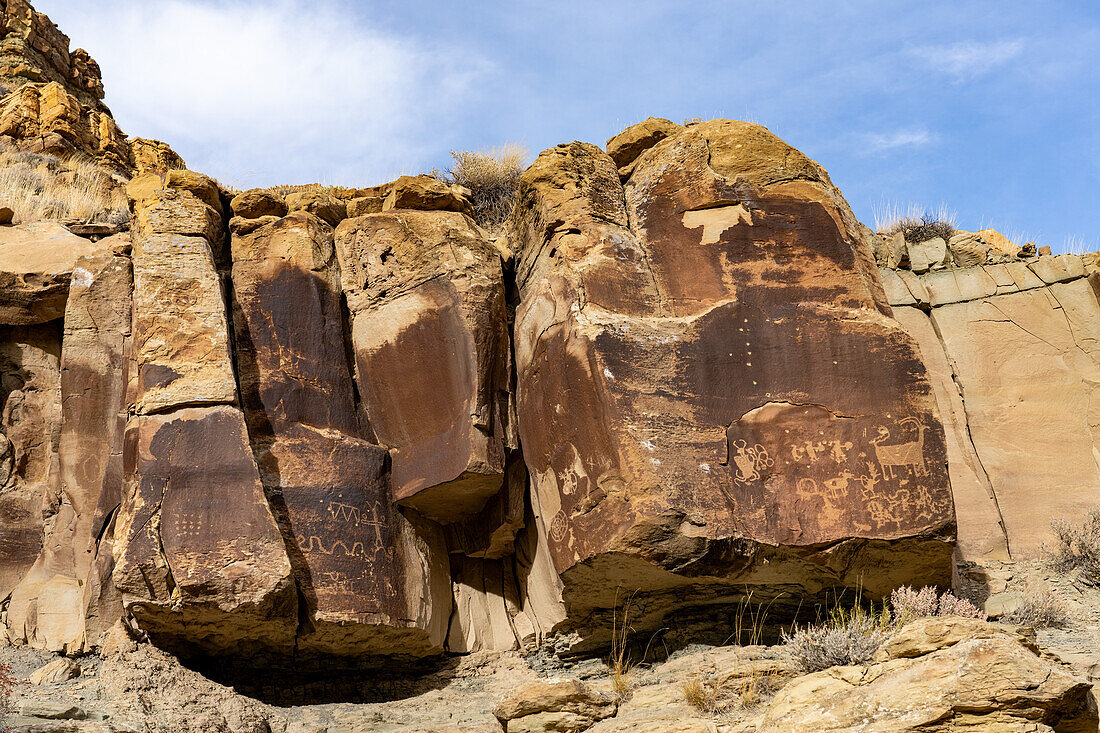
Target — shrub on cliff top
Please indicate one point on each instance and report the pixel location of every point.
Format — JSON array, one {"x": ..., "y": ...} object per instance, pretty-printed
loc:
[
  {"x": 492, "y": 177},
  {"x": 916, "y": 223},
  {"x": 41, "y": 187}
]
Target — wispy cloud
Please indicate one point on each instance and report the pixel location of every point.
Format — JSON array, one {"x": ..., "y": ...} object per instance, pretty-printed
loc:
[
  {"x": 969, "y": 59},
  {"x": 907, "y": 138},
  {"x": 258, "y": 92}
]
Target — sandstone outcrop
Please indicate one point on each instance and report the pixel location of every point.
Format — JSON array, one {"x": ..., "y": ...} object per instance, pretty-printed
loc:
[
  {"x": 963, "y": 681},
  {"x": 1014, "y": 348},
  {"x": 429, "y": 332},
  {"x": 36, "y": 265},
  {"x": 684, "y": 344},
  {"x": 363, "y": 569},
  {"x": 46, "y": 118},
  {"x": 54, "y": 99},
  {"x": 35, "y": 50}
]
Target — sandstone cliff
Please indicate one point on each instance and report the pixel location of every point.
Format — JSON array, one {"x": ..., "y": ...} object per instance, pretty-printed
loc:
[{"x": 323, "y": 427}]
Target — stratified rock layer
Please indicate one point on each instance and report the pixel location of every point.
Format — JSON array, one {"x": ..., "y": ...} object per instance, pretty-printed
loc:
[{"x": 709, "y": 383}]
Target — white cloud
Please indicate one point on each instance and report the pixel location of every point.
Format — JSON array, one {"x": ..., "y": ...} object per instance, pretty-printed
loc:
[
  {"x": 258, "y": 92},
  {"x": 910, "y": 138},
  {"x": 969, "y": 59}
]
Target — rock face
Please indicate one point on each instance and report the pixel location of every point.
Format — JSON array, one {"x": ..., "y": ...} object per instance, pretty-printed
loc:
[
  {"x": 975, "y": 681},
  {"x": 1014, "y": 348},
  {"x": 362, "y": 568},
  {"x": 319, "y": 424},
  {"x": 429, "y": 332},
  {"x": 685, "y": 347},
  {"x": 36, "y": 264}
]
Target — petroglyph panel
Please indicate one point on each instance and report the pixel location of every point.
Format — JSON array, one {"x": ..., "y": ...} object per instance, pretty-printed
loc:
[{"x": 804, "y": 475}]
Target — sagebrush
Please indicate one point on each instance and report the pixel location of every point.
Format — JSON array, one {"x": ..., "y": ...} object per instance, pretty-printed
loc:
[
  {"x": 852, "y": 636},
  {"x": 493, "y": 179},
  {"x": 40, "y": 187},
  {"x": 848, "y": 636},
  {"x": 1077, "y": 546},
  {"x": 1040, "y": 609}
]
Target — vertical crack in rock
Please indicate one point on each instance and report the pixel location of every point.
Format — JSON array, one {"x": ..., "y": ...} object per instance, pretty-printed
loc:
[{"x": 987, "y": 480}]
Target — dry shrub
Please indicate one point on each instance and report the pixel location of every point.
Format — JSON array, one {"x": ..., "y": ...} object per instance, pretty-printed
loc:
[
  {"x": 915, "y": 222},
  {"x": 492, "y": 177},
  {"x": 847, "y": 637},
  {"x": 41, "y": 187},
  {"x": 950, "y": 605},
  {"x": 1040, "y": 609},
  {"x": 1077, "y": 546},
  {"x": 907, "y": 604}
]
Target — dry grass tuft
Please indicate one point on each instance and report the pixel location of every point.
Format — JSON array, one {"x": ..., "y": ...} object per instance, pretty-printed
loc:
[
  {"x": 620, "y": 664},
  {"x": 41, "y": 187},
  {"x": 747, "y": 691},
  {"x": 698, "y": 694},
  {"x": 492, "y": 177}
]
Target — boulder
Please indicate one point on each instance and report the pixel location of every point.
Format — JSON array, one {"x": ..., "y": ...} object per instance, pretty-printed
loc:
[
  {"x": 320, "y": 203},
  {"x": 555, "y": 704},
  {"x": 202, "y": 565},
  {"x": 625, "y": 147},
  {"x": 363, "y": 205},
  {"x": 178, "y": 202},
  {"x": 429, "y": 332},
  {"x": 49, "y": 607},
  {"x": 373, "y": 582},
  {"x": 36, "y": 264},
  {"x": 986, "y": 247},
  {"x": 242, "y": 227},
  {"x": 925, "y": 256},
  {"x": 181, "y": 336},
  {"x": 30, "y": 419},
  {"x": 672, "y": 422},
  {"x": 257, "y": 203},
  {"x": 427, "y": 193},
  {"x": 973, "y": 679},
  {"x": 59, "y": 670}
]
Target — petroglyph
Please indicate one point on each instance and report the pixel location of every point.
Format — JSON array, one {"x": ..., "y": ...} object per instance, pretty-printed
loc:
[
  {"x": 901, "y": 455},
  {"x": 750, "y": 461}
]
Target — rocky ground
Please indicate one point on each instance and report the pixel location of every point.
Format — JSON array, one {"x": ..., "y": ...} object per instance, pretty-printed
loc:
[{"x": 935, "y": 674}]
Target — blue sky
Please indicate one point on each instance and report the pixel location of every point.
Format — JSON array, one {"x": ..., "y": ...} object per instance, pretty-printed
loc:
[{"x": 992, "y": 108}]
